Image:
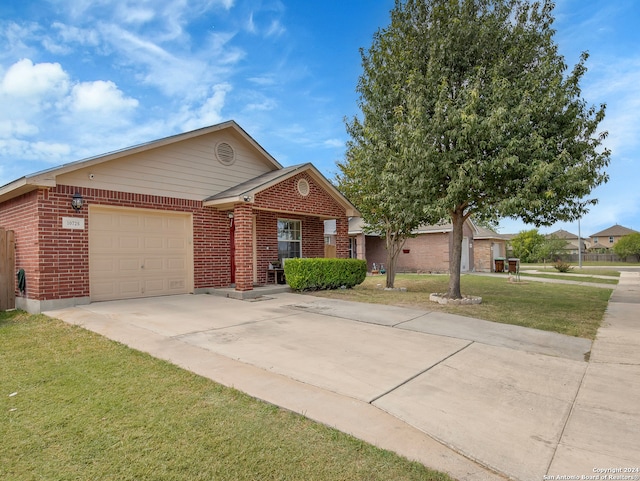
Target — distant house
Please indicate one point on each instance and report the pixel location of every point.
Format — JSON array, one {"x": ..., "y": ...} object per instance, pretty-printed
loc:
[
  {"x": 607, "y": 238},
  {"x": 429, "y": 250},
  {"x": 572, "y": 245}
]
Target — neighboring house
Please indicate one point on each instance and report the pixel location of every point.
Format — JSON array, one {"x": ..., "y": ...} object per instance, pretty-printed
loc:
[
  {"x": 572, "y": 245},
  {"x": 330, "y": 238},
  {"x": 487, "y": 247},
  {"x": 184, "y": 214},
  {"x": 607, "y": 238},
  {"x": 429, "y": 250}
]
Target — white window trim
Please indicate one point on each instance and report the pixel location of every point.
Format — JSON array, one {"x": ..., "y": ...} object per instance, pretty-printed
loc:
[{"x": 288, "y": 240}]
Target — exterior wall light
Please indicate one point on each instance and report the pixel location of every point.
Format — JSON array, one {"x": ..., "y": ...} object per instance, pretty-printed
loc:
[{"x": 76, "y": 202}]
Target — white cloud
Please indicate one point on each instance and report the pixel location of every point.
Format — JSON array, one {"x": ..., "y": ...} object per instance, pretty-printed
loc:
[
  {"x": 275, "y": 29},
  {"x": 24, "y": 79},
  {"x": 100, "y": 96},
  {"x": 65, "y": 38},
  {"x": 19, "y": 127},
  {"x": 334, "y": 143},
  {"x": 135, "y": 14},
  {"x": 14, "y": 39},
  {"x": 210, "y": 111},
  {"x": 50, "y": 152}
]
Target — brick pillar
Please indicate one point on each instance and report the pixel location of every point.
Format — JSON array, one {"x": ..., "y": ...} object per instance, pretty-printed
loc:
[
  {"x": 342, "y": 237},
  {"x": 243, "y": 219}
]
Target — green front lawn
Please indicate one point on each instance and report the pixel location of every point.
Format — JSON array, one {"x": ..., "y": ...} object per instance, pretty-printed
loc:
[
  {"x": 567, "y": 309},
  {"x": 76, "y": 406}
]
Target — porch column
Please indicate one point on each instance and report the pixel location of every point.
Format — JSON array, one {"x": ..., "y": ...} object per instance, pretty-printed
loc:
[
  {"x": 342, "y": 237},
  {"x": 243, "y": 219}
]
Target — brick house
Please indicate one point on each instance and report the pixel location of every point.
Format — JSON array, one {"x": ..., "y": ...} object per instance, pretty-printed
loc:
[
  {"x": 429, "y": 250},
  {"x": 184, "y": 214}
]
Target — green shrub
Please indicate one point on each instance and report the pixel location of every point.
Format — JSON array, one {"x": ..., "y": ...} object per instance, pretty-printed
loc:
[
  {"x": 562, "y": 266},
  {"x": 319, "y": 273}
]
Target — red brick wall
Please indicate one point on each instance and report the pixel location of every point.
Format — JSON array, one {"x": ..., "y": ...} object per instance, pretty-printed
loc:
[
  {"x": 243, "y": 219},
  {"x": 285, "y": 197},
  {"x": 267, "y": 237},
  {"x": 21, "y": 216},
  {"x": 63, "y": 270},
  {"x": 427, "y": 252},
  {"x": 483, "y": 254}
]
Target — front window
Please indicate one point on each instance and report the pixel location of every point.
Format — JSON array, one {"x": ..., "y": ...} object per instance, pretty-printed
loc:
[
  {"x": 289, "y": 239},
  {"x": 611, "y": 240}
]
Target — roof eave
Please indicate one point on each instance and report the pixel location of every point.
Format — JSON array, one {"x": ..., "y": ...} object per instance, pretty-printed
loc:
[{"x": 24, "y": 185}]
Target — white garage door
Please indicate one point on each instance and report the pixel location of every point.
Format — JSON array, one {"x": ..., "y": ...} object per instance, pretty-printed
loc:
[{"x": 139, "y": 253}]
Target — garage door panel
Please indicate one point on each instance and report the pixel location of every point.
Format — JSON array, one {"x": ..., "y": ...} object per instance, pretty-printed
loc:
[
  {"x": 154, "y": 286},
  {"x": 136, "y": 253},
  {"x": 128, "y": 265},
  {"x": 128, "y": 289},
  {"x": 176, "y": 264},
  {"x": 152, "y": 264},
  {"x": 155, "y": 242},
  {"x": 103, "y": 290},
  {"x": 177, "y": 224},
  {"x": 129, "y": 242},
  {"x": 127, "y": 221},
  {"x": 177, "y": 284},
  {"x": 176, "y": 243},
  {"x": 103, "y": 242},
  {"x": 104, "y": 266}
]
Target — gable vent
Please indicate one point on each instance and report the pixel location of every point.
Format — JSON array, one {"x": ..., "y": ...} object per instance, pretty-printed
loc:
[{"x": 225, "y": 153}]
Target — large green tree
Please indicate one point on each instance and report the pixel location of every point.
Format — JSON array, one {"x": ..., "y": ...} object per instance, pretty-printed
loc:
[
  {"x": 468, "y": 104},
  {"x": 628, "y": 245}
]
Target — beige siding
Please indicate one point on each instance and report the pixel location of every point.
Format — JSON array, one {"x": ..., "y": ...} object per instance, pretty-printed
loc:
[{"x": 187, "y": 169}]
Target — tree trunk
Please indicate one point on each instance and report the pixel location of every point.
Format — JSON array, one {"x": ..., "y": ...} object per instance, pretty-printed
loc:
[
  {"x": 393, "y": 244},
  {"x": 455, "y": 254},
  {"x": 391, "y": 270}
]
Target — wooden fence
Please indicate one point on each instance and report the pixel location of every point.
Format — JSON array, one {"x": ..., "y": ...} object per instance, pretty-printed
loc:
[{"x": 7, "y": 270}]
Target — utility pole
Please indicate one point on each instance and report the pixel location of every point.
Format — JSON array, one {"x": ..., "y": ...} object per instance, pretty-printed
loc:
[{"x": 579, "y": 246}]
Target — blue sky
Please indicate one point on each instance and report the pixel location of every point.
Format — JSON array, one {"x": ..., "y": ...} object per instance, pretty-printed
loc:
[{"x": 84, "y": 77}]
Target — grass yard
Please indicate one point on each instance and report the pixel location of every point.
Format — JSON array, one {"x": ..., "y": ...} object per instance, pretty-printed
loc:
[
  {"x": 76, "y": 406},
  {"x": 567, "y": 309}
]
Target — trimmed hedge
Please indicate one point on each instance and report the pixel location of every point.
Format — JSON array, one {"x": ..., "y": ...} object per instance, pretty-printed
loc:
[{"x": 318, "y": 273}]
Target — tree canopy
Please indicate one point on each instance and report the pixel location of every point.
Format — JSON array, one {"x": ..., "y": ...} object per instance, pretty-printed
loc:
[
  {"x": 628, "y": 246},
  {"x": 468, "y": 109},
  {"x": 531, "y": 246}
]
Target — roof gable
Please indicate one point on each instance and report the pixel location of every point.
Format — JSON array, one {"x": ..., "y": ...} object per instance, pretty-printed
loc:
[
  {"x": 563, "y": 234},
  {"x": 614, "y": 231},
  {"x": 184, "y": 165},
  {"x": 247, "y": 191}
]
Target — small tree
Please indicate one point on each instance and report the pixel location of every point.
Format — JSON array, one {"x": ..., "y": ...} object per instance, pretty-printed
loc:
[
  {"x": 527, "y": 244},
  {"x": 628, "y": 245},
  {"x": 550, "y": 249}
]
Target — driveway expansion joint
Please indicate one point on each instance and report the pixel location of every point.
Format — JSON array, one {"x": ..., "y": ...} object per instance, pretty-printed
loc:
[{"x": 420, "y": 373}]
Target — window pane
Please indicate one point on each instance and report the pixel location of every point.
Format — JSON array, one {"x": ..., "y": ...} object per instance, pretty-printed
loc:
[{"x": 289, "y": 239}]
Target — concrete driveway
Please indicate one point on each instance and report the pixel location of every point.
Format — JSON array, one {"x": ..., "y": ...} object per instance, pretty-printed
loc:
[{"x": 476, "y": 399}]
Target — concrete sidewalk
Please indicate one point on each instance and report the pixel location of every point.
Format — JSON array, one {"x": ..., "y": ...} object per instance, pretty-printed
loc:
[
  {"x": 603, "y": 430},
  {"x": 475, "y": 399}
]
